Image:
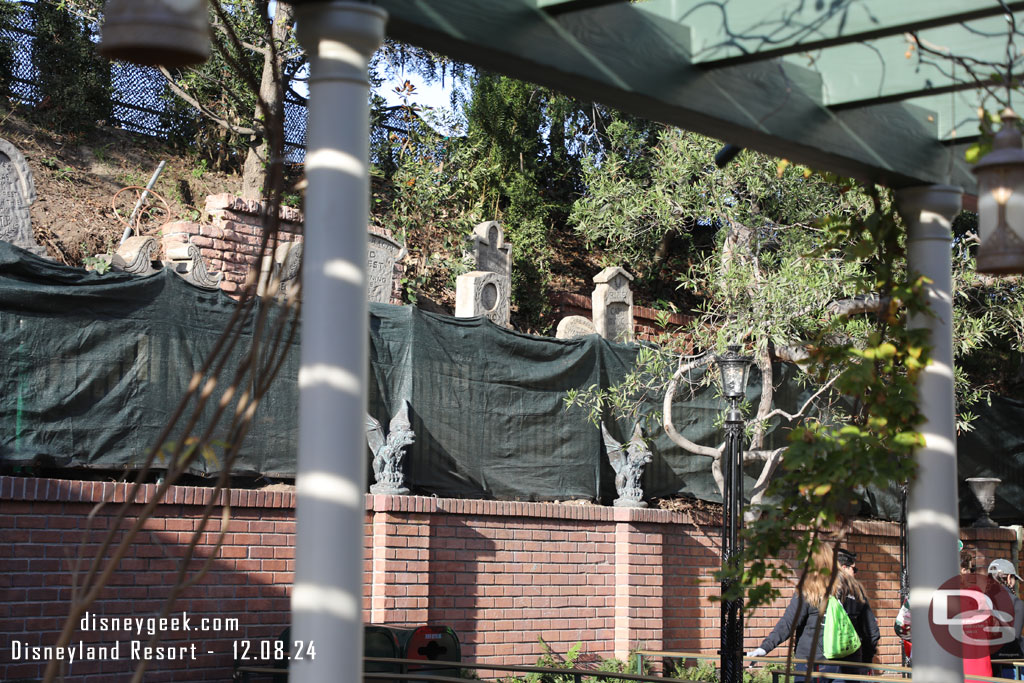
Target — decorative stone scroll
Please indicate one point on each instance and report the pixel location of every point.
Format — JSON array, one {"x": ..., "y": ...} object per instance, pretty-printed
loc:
[
  {"x": 17, "y": 193},
  {"x": 628, "y": 463},
  {"x": 187, "y": 261},
  {"x": 613, "y": 304},
  {"x": 381, "y": 256},
  {"x": 388, "y": 451},
  {"x": 482, "y": 293},
  {"x": 136, "y": 255},
  {"x": 573, "y": 326}
]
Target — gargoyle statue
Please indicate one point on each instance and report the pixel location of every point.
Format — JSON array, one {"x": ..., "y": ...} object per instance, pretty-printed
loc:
[
  {"x": 628, "y": 463},
  {"x": 388, "y": 452}
]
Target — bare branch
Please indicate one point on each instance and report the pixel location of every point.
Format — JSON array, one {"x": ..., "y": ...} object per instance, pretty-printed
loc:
[
  {"x": 670, "y": 392},
  {"x": 871, "y": 303},
  {"x": 180, "y": 92},
  {"x": 807, "y": 403}
]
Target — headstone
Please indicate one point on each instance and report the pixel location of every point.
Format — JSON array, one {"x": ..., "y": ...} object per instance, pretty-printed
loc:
[
  {"x": 491, "y": 251},
  {"x": 381, "y": 256},
  {"x": 573, "y": 326},
  {"x": 17, "y": 192},
  {"x": 613, "y": 304},
  {"x": 481, "y": 293}
]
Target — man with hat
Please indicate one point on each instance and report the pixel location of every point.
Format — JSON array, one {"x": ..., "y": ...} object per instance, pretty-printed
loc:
[{"x": 1004, "y": 572}]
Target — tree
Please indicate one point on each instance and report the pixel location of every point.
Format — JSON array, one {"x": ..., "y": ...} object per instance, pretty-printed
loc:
[
  {"x": 771, "y": 277},
  {"x": 74, "y": 82},
  {"x": 249, "y": 49}
]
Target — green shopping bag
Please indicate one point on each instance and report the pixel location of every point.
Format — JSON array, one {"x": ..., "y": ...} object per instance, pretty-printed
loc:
[{"x": 840, "y": 638}]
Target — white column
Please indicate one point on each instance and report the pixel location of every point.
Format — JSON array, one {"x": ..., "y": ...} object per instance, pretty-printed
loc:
[
  {"x": 933, "y": 526},
  {"x": 327, "y": 597}
]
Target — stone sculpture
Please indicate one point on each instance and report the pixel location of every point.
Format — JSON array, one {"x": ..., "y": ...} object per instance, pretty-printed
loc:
[
  {"x": 613, "y": 304},
  {"x": 17, "y": 193},
  {"x": 628, "y": 463},
  {"x": 388, "y": 451}
]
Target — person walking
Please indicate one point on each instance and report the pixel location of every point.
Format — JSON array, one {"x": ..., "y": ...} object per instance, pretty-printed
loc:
[
  {"x": 855, "y": 601},
  {"x": 805, "y": 610},
  {"x": 1004, "y": 572}
]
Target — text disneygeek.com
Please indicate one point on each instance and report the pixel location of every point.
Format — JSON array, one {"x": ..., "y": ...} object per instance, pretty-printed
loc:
[{"x": 132, "y": 649}]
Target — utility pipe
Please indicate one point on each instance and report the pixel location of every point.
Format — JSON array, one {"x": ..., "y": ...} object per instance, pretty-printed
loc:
[
  {"x": 933, "y": 527},
  {"x": 327, "y": 596}
]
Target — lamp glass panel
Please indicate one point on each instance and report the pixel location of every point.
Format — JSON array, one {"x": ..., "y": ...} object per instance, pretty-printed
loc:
[{"x": 997, "y": 186}]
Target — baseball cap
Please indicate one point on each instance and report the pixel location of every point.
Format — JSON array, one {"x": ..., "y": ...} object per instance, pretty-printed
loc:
[
  {"x": 1002, "y": 567},
  {"x": 846, "y": 557}
]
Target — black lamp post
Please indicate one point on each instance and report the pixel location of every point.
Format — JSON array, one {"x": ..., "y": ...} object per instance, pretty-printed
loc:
[{"x": 735, "y": 369}]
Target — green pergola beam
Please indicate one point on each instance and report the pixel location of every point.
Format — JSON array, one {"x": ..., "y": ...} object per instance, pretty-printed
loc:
[
  {"x": 891, "y": 69},
  {"x": 556, "y": 7},
  {"x": 637, "y": 61},
  {"x": 745, "y": 31}
]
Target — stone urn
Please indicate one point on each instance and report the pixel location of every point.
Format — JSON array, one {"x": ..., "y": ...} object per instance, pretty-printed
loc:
[{"x": 984, "y": 489}]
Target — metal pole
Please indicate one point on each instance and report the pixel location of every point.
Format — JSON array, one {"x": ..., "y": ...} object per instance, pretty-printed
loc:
[
  {"x": 327, "y": 595},
  {"x": 732, "y": 610},
  {"x": 932, "y": 516},
  {"x": 142, "y": 197}
]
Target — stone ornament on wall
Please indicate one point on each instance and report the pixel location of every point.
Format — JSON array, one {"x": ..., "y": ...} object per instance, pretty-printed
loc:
[
  {"x": 17, "y": 193},
  {"x": 628, "y": 463},
  {"x": 136, "y": 255},
  {"x": 573, "y": 326},
  {"x": 388, "y": 451},
  {"x": 382, "y": 253},
  {"x": 482, "y": 293},
  {"x": 613, "y": 304}
]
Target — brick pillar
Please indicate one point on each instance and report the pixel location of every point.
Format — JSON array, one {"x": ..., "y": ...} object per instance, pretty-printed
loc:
[
  {"x": 400, "y": 568},
  {"x": 639, "y": 618}
]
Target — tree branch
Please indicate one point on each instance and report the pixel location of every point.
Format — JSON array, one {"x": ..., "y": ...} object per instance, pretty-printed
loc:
[{"x": 180, "y": 92}]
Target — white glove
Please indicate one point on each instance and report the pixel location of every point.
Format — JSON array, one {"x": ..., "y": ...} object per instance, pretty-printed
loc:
[{"x": 759, "y": 652}]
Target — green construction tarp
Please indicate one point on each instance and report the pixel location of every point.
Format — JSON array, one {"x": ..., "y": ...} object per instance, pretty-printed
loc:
[{"x": 97, "y": 363}]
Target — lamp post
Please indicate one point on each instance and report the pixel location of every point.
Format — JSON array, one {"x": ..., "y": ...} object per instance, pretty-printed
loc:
[
  {"x": 734, "y": 369},
  {"x": 1001, "y": 202}
]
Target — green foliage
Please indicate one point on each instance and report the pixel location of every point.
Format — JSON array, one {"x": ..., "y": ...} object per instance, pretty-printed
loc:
[
  {"x": 10, "y": 11},
  {"x": 74, "y": 81},
  {"x": 651, "y": 189},
  {"x": 828, "y": 463}
]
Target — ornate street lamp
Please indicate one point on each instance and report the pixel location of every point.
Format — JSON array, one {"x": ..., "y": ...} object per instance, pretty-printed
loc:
[
  {"x": 1001, "y": 202},
  {"x": 735, "y": 369},
  {"x": 170, "y": 33}
]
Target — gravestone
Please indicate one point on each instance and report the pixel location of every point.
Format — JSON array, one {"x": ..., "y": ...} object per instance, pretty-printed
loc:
[
  {"x": 613, "y": 304},
  {"x": 482, "y": 293},
  {"x": 17, "y": 192},
  {"x": 381, "y": 256},
  {"x": 573, "y": 326}
]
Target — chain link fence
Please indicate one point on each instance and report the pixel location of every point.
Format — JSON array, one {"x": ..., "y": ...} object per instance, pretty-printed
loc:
[{"x": 140, "y": 94}]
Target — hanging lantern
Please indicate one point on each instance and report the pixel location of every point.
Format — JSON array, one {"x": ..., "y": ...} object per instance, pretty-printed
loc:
[
  {"x": 1001, "y": 202},
  {"x": 169, "y": 33}
]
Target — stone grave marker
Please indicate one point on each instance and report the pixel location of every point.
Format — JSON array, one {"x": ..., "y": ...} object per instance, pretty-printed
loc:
[
  {"x": 573, "y": 326},
  {"x": 613, "y": 304},
  {"x": 481, "y": 293},
  {"x": 381, "y": 256},
  {"x": 17, "y": 192}
]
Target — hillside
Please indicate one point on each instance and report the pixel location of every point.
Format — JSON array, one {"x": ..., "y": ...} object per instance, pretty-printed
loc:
[{"x": 78, "y": 176}]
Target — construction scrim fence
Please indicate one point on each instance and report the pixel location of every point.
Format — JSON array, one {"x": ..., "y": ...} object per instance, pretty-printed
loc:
[
  {"x": 95, "y": 364},
  {"x": 140, "y": 101}
]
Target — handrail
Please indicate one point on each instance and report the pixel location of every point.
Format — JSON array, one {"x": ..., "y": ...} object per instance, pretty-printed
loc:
[
  {"x": 576, "y": 673},
  {"x": 773, "y": 660}
]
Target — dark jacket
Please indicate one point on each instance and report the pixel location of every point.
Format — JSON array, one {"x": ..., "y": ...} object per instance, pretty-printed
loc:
[
  {"x": 800, "y": 623},
  {"x": 1015, "y": 648},
  {"x": 864, "y": 622},
  {"x": 803, "y": 623}
]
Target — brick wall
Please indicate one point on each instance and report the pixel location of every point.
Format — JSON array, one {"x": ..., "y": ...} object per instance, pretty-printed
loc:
[
  {"x": 229, "y": 239},
  {"x": 503, "y": 574}
]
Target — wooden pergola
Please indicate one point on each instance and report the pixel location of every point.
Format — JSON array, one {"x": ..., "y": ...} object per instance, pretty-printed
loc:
[{"x": 867, "y": 88}]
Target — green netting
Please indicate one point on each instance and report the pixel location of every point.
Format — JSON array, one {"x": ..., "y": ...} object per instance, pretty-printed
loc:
[{"x": 95, "y": 364}]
